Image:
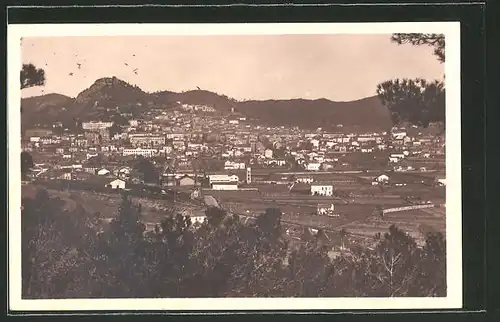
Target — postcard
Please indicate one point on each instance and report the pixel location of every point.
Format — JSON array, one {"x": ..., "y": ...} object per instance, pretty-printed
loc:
[{"x": 281, "y": 166}]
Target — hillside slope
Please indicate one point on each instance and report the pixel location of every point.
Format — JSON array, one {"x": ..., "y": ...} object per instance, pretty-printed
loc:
[
  {"x": 367, "y": 114},
  {"x": 106, "y": 94},
  {"x": 43, "y": 109}
]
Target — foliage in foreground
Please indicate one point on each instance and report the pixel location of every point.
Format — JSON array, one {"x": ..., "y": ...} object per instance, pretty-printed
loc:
[
  {"x": 67, "y": 254},
  {"x": 31, "y": 76},
  {"x": 415, "y": 101}
]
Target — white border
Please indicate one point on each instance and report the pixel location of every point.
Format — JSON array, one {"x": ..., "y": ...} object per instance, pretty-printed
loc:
[{"x": 453, "y": 167}]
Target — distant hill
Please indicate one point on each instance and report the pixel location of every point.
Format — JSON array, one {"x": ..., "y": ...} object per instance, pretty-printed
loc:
[
  {"x": 366, "y": 114},
  {"x": 108, "y": 93},
  {"x": 104, "y": 93},
  {"x": 44, "y": 109}
]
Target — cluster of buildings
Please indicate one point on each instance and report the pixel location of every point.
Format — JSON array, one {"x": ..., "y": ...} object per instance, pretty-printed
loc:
[{"x": 195, "y": 140}]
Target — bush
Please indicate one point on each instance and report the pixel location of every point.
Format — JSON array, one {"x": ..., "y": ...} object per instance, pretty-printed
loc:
[{"x": 74, "y": 254}]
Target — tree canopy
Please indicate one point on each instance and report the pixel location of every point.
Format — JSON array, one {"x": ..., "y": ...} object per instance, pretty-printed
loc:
[
  {"x": 417, "y": 39},
  {"x": 148, "y": 170},
  {"x": 416, "y": 101},
  {"x": 32, "y": 76},
  {"x": 72, "y": 253}
]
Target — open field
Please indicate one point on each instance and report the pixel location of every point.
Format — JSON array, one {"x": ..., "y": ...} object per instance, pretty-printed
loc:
[
  {"x": 356, "y": 214},
  {"x": 304, "y": 215}
]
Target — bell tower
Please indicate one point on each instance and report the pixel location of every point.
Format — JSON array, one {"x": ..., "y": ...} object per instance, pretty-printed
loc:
[{"x": 249, "y": 175}]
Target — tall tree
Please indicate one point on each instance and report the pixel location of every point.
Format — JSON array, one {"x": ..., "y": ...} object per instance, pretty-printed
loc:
[
  {"x": 170, "y": 255},
  {"x": 395, "y": 265},
  {"x": 122, "y": 253},
  {"x": 418, "y": 39},
  {"x": 309, "y": 272},
  {"x": 32, "y": 76},
  {"x": 432, "y": 278},
  {"x": 269, "y": 223},
  {"x": 148, "y": 170},
  {"x": 418, "y": 101}
]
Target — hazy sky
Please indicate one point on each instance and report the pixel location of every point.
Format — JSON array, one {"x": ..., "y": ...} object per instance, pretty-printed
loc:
[{"x": 336, "y": 67}]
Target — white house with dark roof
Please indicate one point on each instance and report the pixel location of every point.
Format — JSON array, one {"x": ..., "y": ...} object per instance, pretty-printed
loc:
[
  {"x": 117, "y": 184},
  {"x": 103, "y": 172},
  {"x": 321, "y": 189}
]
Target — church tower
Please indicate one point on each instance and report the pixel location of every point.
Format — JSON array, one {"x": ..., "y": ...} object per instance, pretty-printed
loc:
[{"x": 249, "y": 175}]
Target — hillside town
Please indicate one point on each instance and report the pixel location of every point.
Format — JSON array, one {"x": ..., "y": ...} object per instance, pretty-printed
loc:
[
  {"x": 177, "y": 140},
  {"x": 195, "y": 151}
]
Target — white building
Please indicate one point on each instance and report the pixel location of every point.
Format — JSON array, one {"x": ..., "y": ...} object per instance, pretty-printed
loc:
[
  {"x": 198, "y": 219},
  {"x": 146, "y": 140},
  {"x": 175, "y": 136},
  {"x": 125, "y": 170},
  {"x": 398, "y": 155},
  {"x": 225, "y": 186},
  {"x": 103, "y": 172},
  {"x": 366, "y": 139},
  {"x": 304, "y": 179},
  {"x": 221, "y": 178},
  {"x": 139, "y": 151},
  {"x": 230, "y": 165},
  {"x": 117, "y": 184},
  {"x": 398, "y": 135},
  {"x": 441, "y": 180},
  {"x": 381, "y": 179},
  {"x": 321, "y": 189},
  {"x": 94, "y": 126},
  {"x": 268, "y": 153},
  {"x": 313, "y": 166},
  {"x": 393, "y": 160},
  {"x": 324, "y": 209}
]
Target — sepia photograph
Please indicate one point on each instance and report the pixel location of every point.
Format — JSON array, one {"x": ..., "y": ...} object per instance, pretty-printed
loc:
[{"x": 257, "y": 166}]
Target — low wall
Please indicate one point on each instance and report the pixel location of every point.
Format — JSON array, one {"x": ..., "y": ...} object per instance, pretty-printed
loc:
[{"x": 389, "y": 210}]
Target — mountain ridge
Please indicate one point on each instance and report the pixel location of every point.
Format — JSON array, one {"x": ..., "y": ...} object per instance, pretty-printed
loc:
[{"x": 109, "y": 92}]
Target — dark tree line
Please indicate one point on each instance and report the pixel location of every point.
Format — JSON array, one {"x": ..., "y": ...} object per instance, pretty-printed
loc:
[
  {"x": 71, "y": 253},
  {"x": 416, "y": 101}
]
